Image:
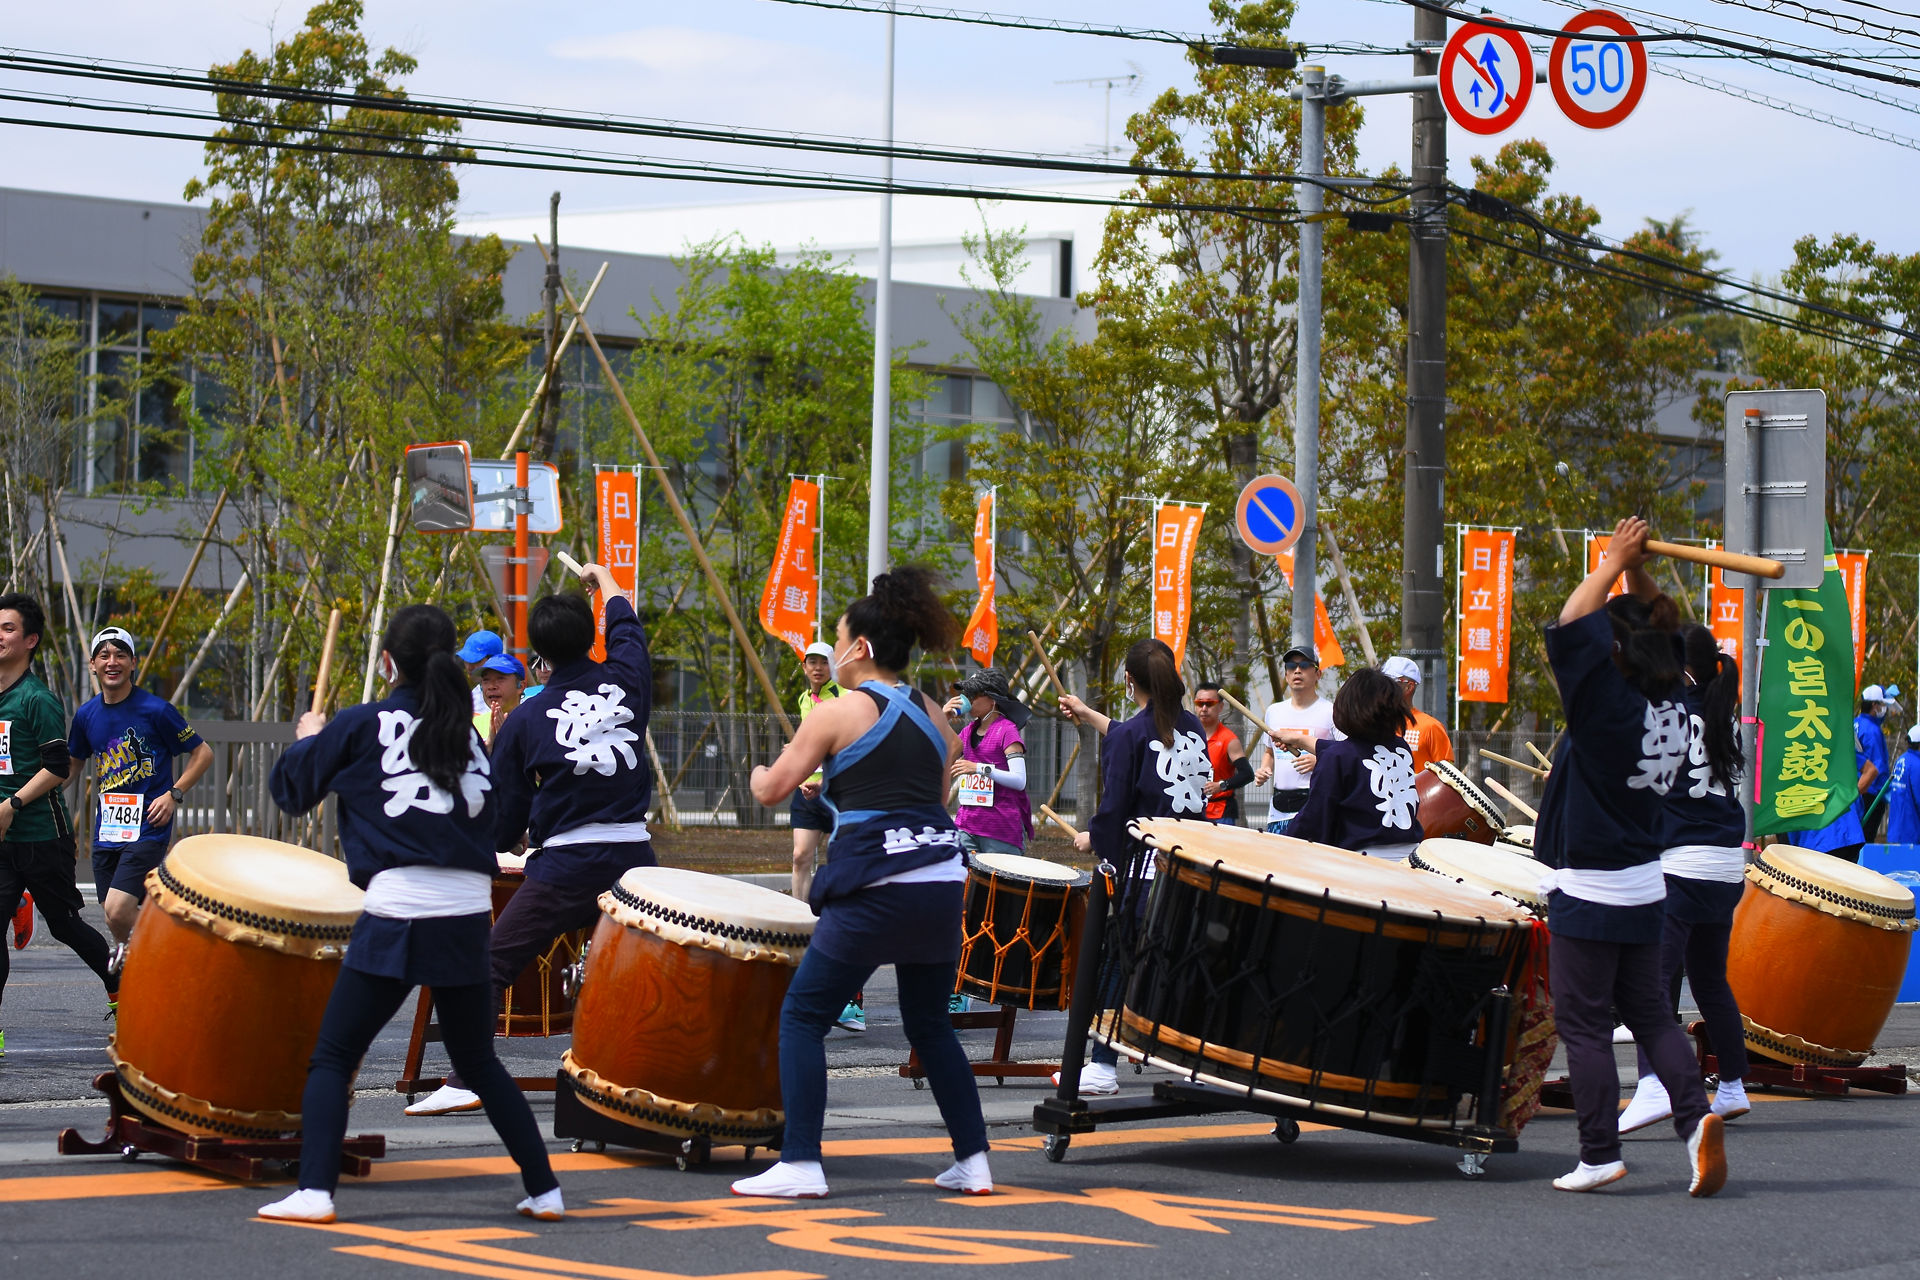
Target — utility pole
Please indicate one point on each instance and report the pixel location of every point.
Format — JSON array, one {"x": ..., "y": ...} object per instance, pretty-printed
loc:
[
  {"x": 880, "y": 475},
  {"x": 1306, "y": 382},
  {"x": 550, "y": 293},
  {"x": 1422, "y": 590}
]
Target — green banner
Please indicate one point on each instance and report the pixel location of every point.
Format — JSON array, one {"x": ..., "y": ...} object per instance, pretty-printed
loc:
[{"x": 1807, "y": 772}]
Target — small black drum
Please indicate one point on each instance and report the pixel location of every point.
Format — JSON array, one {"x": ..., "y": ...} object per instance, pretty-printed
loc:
[{"x": 1021, "y": 924}]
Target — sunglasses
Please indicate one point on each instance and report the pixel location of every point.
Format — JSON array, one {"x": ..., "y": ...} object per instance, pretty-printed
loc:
[
  {"x": 1206, "y": 702},
  {"x": 1299, "y": 666}
]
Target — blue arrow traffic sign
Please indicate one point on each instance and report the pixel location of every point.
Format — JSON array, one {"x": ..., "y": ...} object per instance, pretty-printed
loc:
[{"x": 1269, "y": 515}]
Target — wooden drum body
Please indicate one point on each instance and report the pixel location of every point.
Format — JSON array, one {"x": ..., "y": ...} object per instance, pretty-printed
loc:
[
  {"x": 537, "y": 1003},
  {"x": 1316, "y": 977},
  {"x": 1452, "y": 806},
  {"x": 676, "y": 1022},
  {"x": 1021, "y": 923},
  {"x": 1818, "y": 952},
  {"x": 226, "y": 979}
]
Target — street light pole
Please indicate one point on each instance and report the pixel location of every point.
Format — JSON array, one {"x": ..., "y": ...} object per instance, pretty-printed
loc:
[
  {"x": 880, "y": 476},
  {"x": 1422, "y": 593},
  {"x": 1306, "y": 414}
]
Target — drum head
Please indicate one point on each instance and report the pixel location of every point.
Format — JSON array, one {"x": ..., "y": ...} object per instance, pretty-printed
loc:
[
  {"x": 1014, "y": 866},
  {"x": 1313, "y": 870},
  {"x": 1491, "y": 868},
  {"x": 1520, "y": 836},
  {"x": 1479, "y": 800},
  {"x": 1832, "y": 884},
  {"x": 696, "y": 895},
  {"x": 265, "y": 877}
]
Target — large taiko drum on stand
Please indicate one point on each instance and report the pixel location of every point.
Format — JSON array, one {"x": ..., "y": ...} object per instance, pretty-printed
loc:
[
  {"x": 1818, "y": 951},
  {"x": 1453, "y": 807},
  {"x": 676, "y": 1025},
  {"x": 226, "y": 978},
  {"x": 1019, "y": 929},
  {"x": 1318, "y": 978},
  {"x": 1495, "y": 868},
  {"x": 537, "y": 1004}
]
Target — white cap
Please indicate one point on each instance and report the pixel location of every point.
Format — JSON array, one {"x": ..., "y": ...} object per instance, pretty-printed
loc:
[
  {"x": 1913, "y": 735},
  {"x": 1873, "y": 693},
  {"x": 1401, "y": 668},
  {"x": 819, "y": 649},
  {"x": 119, "y": 635}
]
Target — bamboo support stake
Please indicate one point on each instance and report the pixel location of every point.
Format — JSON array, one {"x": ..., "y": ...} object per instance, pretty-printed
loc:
[
  {"x": 1065, "y": 772},
  {"x": 380, "y": 600},
  {"x": 540, "y": 390},
  {"x": 1511, "y": 798},
  {"x": 206, "y": 646},
  {"x": 1353, "y": 601},
  {"x": 1509, "y": 760},
  {"x": 325, "y": 673},
  {"x": 186, "y": 583},
  {"x": 66, "y": 581},
  {"x": 1058, "y": 821},
  {"x": 280, "y": 654},
  {"x": 680, "y": 515}
]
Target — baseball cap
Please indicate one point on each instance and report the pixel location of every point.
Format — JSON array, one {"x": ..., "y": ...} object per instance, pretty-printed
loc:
[
  {"x": 119, "y": 635},
  {"x": 1401, "y": 668},
  {"x": 1301, "y": 651},
  {"x": 480, "y": 646},
  {"x": 1913, "y": 735},
  {"x": 505, "y": 662},
  {"x": 819, "y": 649},
  {"x": 1873, "y": 693}
]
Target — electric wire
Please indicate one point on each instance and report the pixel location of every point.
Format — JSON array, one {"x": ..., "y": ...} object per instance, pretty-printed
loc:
[
  {"x": 1013, "y": 21},
  {"x": 1793, "y": 108}
]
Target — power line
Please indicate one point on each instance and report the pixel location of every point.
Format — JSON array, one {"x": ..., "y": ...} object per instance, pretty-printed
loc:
[
  {"x": 1013, "y": 21},
  {"x": 1794, "y": 108},
  {"x": 1827, "y": 19}
]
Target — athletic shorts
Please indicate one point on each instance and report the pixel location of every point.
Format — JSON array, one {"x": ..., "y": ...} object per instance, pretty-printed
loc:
[
  {"x": 124, "y": 867},
  {"x": 43, "y": 866},
  {"x": 810, "y": 815}
]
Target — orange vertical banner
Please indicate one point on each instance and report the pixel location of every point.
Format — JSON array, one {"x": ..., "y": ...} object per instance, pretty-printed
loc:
[
  {"x": 1176, "y": 531},
  {"x": 617, "y": 504},
  {"x": 1853, "y": 575},
  {"x": 1486, "y": 614},
  {"x": 787, "y": 604},
  {"x": 983, "y": 626},
  {"x": 1597, "y": 547},
  {"x": 1326, "y": 641},
  {"x": 1725, "y": 614}
]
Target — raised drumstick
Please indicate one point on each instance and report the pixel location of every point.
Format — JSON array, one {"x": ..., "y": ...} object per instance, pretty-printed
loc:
[
  {"x": 1719, "y": 558},
  {"x": 1047, "y": 662},
  {"x": 1509, "y": 760},
  {"x": 1511, "y": 798},
  {"x": 568, "y": 563},
  {"x": 325, "y": 673},
  {"x": 1048, "y": 813}
]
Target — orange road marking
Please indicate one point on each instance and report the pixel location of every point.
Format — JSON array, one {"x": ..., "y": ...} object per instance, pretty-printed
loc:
[
  {"x": 464, "y": 1252},
  {"x": 91, "y": 1186},
  {"x": 1191, "y": 1213}
]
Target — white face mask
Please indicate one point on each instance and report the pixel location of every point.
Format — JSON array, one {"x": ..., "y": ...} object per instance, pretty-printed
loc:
[
  {"x": 388, "y": 671},
  {"x": 834, "y": 660}
]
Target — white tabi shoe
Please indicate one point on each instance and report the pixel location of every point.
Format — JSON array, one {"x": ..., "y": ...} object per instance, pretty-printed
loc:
[
  {"x": 1096, "y": 1079},
  {"x": 1622, "y": 1036},
  {"x": 445, "y": 1101},
  {"x": 1707, "y": 1156},
  {"x": 1591, "y": 1177},
  {"x": 969, "y": 1177},
  {"x": 546, "y": 1207},
  {"x": 800, "y": 1180},
  {"x": 1650, "y": 1105},
  {"x": 1730, "y": 1100},
  {"x": 305, "y": 1205}
]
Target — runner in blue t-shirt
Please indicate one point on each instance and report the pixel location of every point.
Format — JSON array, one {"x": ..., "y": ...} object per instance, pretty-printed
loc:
[{"x": 134, "y": 736}]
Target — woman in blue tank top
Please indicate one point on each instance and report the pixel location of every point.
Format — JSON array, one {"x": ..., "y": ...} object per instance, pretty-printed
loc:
[{"x": 891, "y": 891}]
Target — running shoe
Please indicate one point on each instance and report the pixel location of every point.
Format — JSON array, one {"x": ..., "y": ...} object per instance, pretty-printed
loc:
[
  {"x": 3, "y": 1044},
  {"x": 958, "y": 1004},
  {"x": 852, "y": 1018},
  {"x": 969, "y": 1177},
  {"x": 23, "y": 923},
  {"x": 796, "y": 1180},
  {"x": 545, "y": 1207}
]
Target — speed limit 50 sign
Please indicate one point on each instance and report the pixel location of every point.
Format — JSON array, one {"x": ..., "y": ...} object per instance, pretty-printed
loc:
[{"x": 1597, "y": 76}]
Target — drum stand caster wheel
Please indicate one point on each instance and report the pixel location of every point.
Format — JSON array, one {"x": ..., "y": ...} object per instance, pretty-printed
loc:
[
  {"x": 1055, "y": 1146},
  {"x": 588, "y": 1144},
  {"x": 1288, "y": 1131},
  {"x": 129, "y": 1153},
  {"x": 692, "y": 1151},
  {"x": 1473, "y": 1164},
  {"x": 919, "y": 1082}
]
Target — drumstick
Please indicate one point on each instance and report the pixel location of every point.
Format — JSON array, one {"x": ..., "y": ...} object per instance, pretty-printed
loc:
[
  {"x": 1719, "y": 558},
  {"x": 1047, "y": 813},
  {"x": 1546, "y": 761},
  {"x": 1047, "y": 662},
  {"x": 1511, "y": 798},
  {"x": 1509, "y": 760},
  {"x": 326, "y": 662},
  {"x": 1257, "y": 722},
  {"x": 568, "y": 563}
]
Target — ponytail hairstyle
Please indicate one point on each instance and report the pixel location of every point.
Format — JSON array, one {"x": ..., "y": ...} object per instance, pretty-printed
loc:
[
  {"x": 1150, "y": 665},
  {"x": 421, "y": 640},
  {"x": 1644, "y": 646},
  {"x": 902, "y": 610},
  {"x": 1718, "y": 676}
]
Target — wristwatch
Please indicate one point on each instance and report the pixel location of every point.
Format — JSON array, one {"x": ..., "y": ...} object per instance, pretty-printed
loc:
[
  {"x": 15, "y": 802},
  {"x": 175, "y": 792}
]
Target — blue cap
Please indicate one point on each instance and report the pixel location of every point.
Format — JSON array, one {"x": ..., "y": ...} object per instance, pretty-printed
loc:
[
  {"x": 480, "y": 646},
  {"x": 505, "y": 662}
]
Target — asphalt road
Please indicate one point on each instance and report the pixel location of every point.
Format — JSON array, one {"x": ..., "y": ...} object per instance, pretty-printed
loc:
[{"x": 1819, "y": 1188}]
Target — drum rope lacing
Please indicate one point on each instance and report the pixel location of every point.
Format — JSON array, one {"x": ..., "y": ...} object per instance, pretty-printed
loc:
[
  {"x": 1825, "y": 894},
  {"x": 252, "y": 919},
  {"x": 702, "y": 924}
]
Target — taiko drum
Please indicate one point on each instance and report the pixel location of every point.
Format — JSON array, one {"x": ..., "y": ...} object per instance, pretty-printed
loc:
[
  {"x": 537, "y": 1004},
  {"x": 1452, "y": 806},
  {"x": 676, "y": 1024},
  {"x": 226, "y": 979},
  {"x": 1818, "y": 951},
  {"x": 1019, "y": 926}
]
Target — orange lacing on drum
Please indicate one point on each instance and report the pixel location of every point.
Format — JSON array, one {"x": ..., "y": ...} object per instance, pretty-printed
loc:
[
  {"x": 1021, "y": 936},
  {"x": 1879, "y": 910},
  {"x": 251, "y": 919},
  {"x": 719, "y": 928}
]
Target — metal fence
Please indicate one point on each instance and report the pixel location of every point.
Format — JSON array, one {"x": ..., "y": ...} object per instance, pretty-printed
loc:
[{"x": 233, "y": 797}]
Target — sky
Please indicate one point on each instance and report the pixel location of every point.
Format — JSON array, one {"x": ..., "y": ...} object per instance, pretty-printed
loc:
[{"x": 1752, "y": 179}]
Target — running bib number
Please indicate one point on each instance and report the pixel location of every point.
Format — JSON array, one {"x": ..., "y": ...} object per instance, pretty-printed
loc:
[
  {"x": 6, "y": 748},
  {"x": 120, "y": 816},
  {"x": 976, "y": 791}
]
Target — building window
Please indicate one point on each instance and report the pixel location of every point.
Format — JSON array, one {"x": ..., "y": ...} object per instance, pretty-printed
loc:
[
  {"x": 135, "y": 430},
  {"x": 961, "y": 406}
]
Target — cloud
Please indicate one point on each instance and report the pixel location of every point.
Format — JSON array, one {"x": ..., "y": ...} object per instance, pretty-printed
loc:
[{"x": 685, "y": 53}]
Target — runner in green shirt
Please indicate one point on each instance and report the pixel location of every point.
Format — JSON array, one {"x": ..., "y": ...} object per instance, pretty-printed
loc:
[{"x": 37, "y": 851}]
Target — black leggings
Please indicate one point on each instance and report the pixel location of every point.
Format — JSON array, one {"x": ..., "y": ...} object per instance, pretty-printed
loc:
[
  {"x": 361, "y": 1004},
  {"x": 45, "y": 868}
]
